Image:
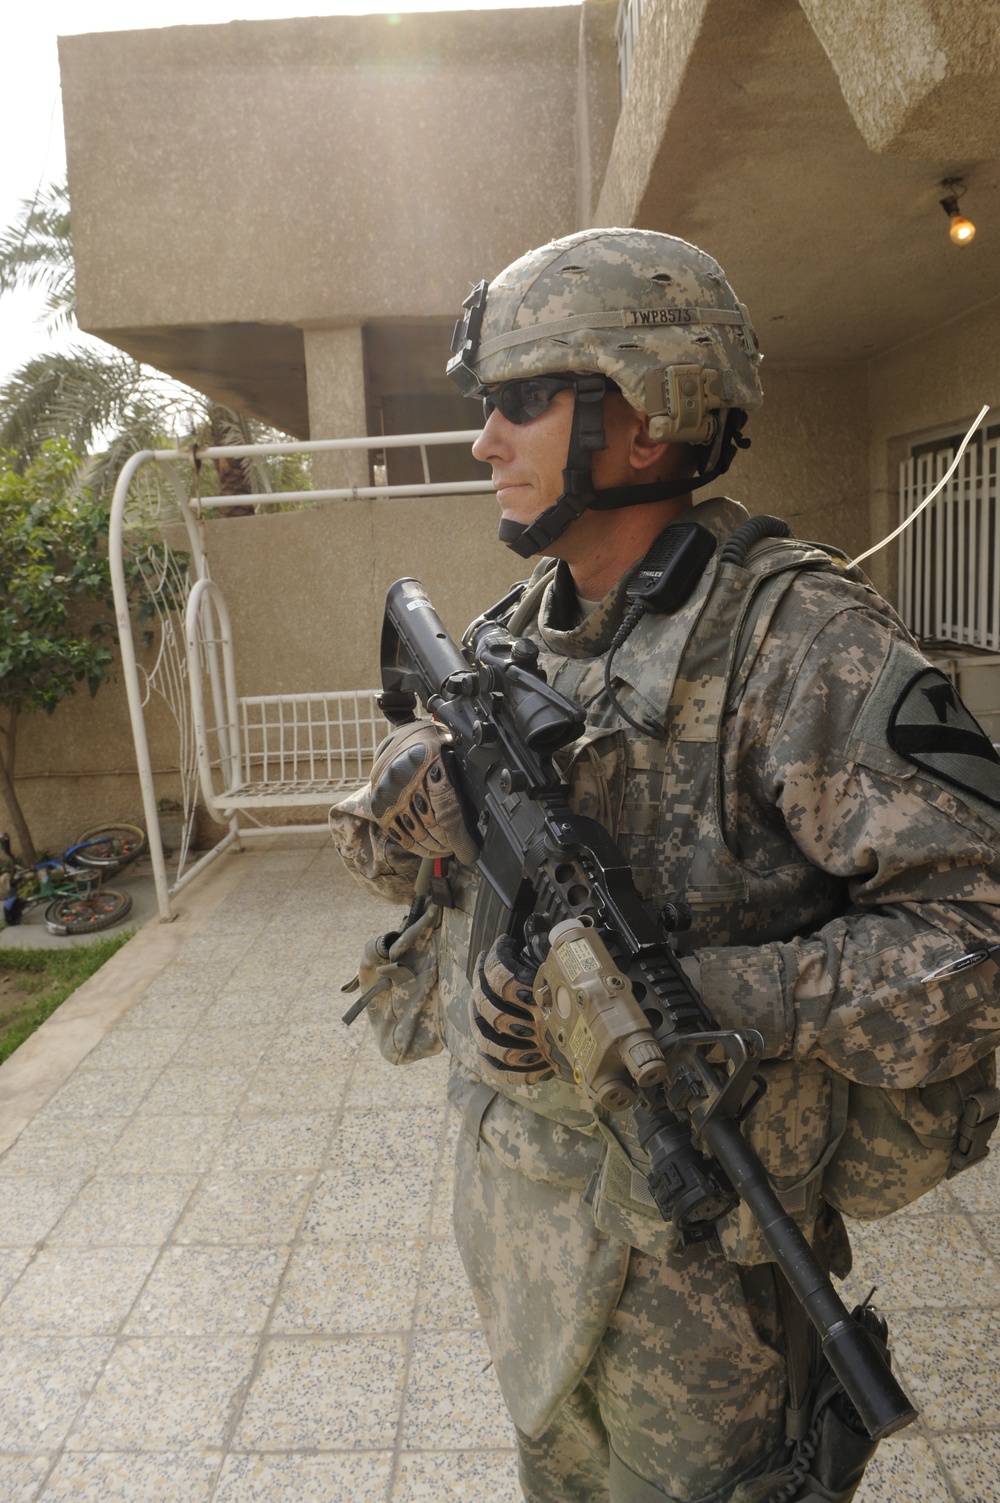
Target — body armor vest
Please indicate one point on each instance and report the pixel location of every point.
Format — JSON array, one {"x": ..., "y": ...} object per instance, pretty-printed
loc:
[
  {"x": 664, "y": 794},
  {"x": 662, "y": 799},
  {"x": 552, "y": 1158}
]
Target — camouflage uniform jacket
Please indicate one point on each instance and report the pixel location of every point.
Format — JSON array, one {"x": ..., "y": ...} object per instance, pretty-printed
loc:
[{"x": 827, "y": 875}]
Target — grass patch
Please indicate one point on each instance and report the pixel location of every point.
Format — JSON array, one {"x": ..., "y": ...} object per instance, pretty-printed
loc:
[{"x": 38, "y": 981}]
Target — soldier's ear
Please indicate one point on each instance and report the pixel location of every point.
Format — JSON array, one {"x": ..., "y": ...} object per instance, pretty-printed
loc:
[{"x": 648, "y": 455}]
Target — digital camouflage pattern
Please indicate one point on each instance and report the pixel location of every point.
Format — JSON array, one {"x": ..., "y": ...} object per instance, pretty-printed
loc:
[
  {"x": 402, "y": 1007},
  {"x": 377, "y": 862},
  {"x": 688, "y": 1394},
  {"x": 827, "y": 877},
  {"x": 898, "y": 1144},
  {"x": 628, "y": 304},
  {"x": 681, "y": 1368}
]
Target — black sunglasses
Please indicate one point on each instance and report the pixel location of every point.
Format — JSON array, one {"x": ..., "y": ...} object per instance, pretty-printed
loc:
[{"x": 523, "y": 400}]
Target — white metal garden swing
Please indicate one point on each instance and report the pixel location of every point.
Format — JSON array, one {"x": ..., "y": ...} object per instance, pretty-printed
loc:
[{"x": 244, "y": 754}]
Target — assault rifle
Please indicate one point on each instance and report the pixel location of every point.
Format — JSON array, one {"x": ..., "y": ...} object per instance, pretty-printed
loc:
[{"x": 615, "y": 999}]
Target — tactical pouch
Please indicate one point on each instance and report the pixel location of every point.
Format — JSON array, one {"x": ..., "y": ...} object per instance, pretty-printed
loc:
[
  {"x": 828, "y": 1444},
  {"x": 842, "y": 1454},
  {"x": 404, "y": 1013},
  {"x": 827, "y": 1468},
  {"x": 897, "y": 1145},
  {"x": 621, "y": 1199}
]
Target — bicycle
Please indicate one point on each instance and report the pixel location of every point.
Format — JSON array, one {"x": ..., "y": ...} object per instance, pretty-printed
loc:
[
  {"x": 109, "y": 847},
  {"x": 73, "y": 886}
]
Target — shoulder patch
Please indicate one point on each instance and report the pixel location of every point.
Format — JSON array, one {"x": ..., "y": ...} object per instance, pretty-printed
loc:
[{"x": 930, "y": 727}]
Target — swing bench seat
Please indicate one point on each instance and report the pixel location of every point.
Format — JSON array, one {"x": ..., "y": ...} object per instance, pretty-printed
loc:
[
  {"x": 300, "y": 749},
  {"x": 263, "y": 751}
]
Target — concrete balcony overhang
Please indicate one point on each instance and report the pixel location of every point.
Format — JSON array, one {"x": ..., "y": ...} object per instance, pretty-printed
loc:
[
  {"x": 233, "y": 186},
  {"x": 255, "y": 368},
  {"x": 803, "y": 146}
]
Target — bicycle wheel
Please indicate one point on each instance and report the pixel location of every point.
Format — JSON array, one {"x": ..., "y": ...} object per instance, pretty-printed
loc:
[
  {"x": 87, "y": 914},
  {"x": 109, "y": 847}
]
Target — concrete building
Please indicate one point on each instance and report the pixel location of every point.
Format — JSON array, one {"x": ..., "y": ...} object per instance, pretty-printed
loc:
[{"x": 287, "y": 215}]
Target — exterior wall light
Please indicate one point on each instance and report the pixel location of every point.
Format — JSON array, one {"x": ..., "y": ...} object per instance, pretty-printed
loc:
[{"x": 960, "y": 230}]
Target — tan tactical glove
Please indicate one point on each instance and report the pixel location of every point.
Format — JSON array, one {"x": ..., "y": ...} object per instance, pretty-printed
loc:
[
  {"x": 411, "y": 797},
  {"x": 513, "y": 1040}
]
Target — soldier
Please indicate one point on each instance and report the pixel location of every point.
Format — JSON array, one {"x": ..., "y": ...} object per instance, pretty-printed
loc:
[{"x": 775, "y": 751}]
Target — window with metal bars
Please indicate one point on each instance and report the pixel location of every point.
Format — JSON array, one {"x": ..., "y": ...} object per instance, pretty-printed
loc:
[
  {"x": 949, "y": 558},
  {"x": 626, "y": 32}
]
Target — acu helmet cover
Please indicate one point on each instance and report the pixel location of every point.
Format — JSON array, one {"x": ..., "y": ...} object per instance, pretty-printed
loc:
[{"x": 646, "y": 311}]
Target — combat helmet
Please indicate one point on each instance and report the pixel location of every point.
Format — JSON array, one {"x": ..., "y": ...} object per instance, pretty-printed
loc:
[{"x": 645, "y": 311}]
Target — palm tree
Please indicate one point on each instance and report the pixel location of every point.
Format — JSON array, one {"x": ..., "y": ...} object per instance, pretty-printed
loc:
[
  {"x": 107, "y": 405},
  {"x": 37, "y": 248}
]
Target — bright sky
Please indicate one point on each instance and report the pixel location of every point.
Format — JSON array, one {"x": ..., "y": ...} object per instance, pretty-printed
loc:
[{"x": 31, "y": 126}]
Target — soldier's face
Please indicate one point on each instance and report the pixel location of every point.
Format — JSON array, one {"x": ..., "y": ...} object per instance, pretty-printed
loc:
[{"x": 527, "y": 459}]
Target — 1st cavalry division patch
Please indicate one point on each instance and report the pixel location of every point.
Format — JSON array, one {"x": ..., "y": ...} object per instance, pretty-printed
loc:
[{"x": 931, "y": 728}]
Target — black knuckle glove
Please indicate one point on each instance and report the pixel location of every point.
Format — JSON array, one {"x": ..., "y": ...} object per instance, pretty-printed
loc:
[{"x": 509, "y": 1028}]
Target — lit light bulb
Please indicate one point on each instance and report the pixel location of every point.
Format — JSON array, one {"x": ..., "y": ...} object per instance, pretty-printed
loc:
[{"x": 960, "y": 229}]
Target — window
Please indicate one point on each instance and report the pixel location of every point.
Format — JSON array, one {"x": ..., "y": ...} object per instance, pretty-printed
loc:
[
  {"x": 949, "y": 559},
  {"x": 626, "y": 31}
]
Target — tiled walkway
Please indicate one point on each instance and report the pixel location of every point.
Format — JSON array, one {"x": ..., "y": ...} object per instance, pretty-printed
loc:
[{"x": 225, "y": 1254}]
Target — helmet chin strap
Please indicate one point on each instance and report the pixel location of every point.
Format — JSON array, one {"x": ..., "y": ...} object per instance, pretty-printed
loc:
[{"x": 587, "y": 435}]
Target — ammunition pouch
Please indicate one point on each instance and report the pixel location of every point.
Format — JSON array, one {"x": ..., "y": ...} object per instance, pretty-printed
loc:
[
  {"x": 899, "y": 1144},
  {"x": 979, "y": 1121}
]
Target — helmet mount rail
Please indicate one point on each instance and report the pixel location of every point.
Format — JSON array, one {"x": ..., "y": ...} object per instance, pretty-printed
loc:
[{"x": 465, "y": 341}]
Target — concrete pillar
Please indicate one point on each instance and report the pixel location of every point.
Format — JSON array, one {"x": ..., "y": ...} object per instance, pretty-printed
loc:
[
  {"x": 597, "y": 106},
  {"x": 335, "y": 376}
]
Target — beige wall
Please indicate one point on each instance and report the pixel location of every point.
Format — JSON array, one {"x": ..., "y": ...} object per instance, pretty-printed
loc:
[
  {"x": 939, "y": 378},
  {"x": 667, "y": 40},
  {"x": 306, "y": 589},
  {"x": 335, "y": 376},
  {"x": 597, "y": 106},
  {"x": 76, "y": 767},
  {"x": 828, "y": 442},
  {"x": 234, "y": 185},
  {"x": 808, "y": 456},
  {"x": 920, "y": 76}
]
